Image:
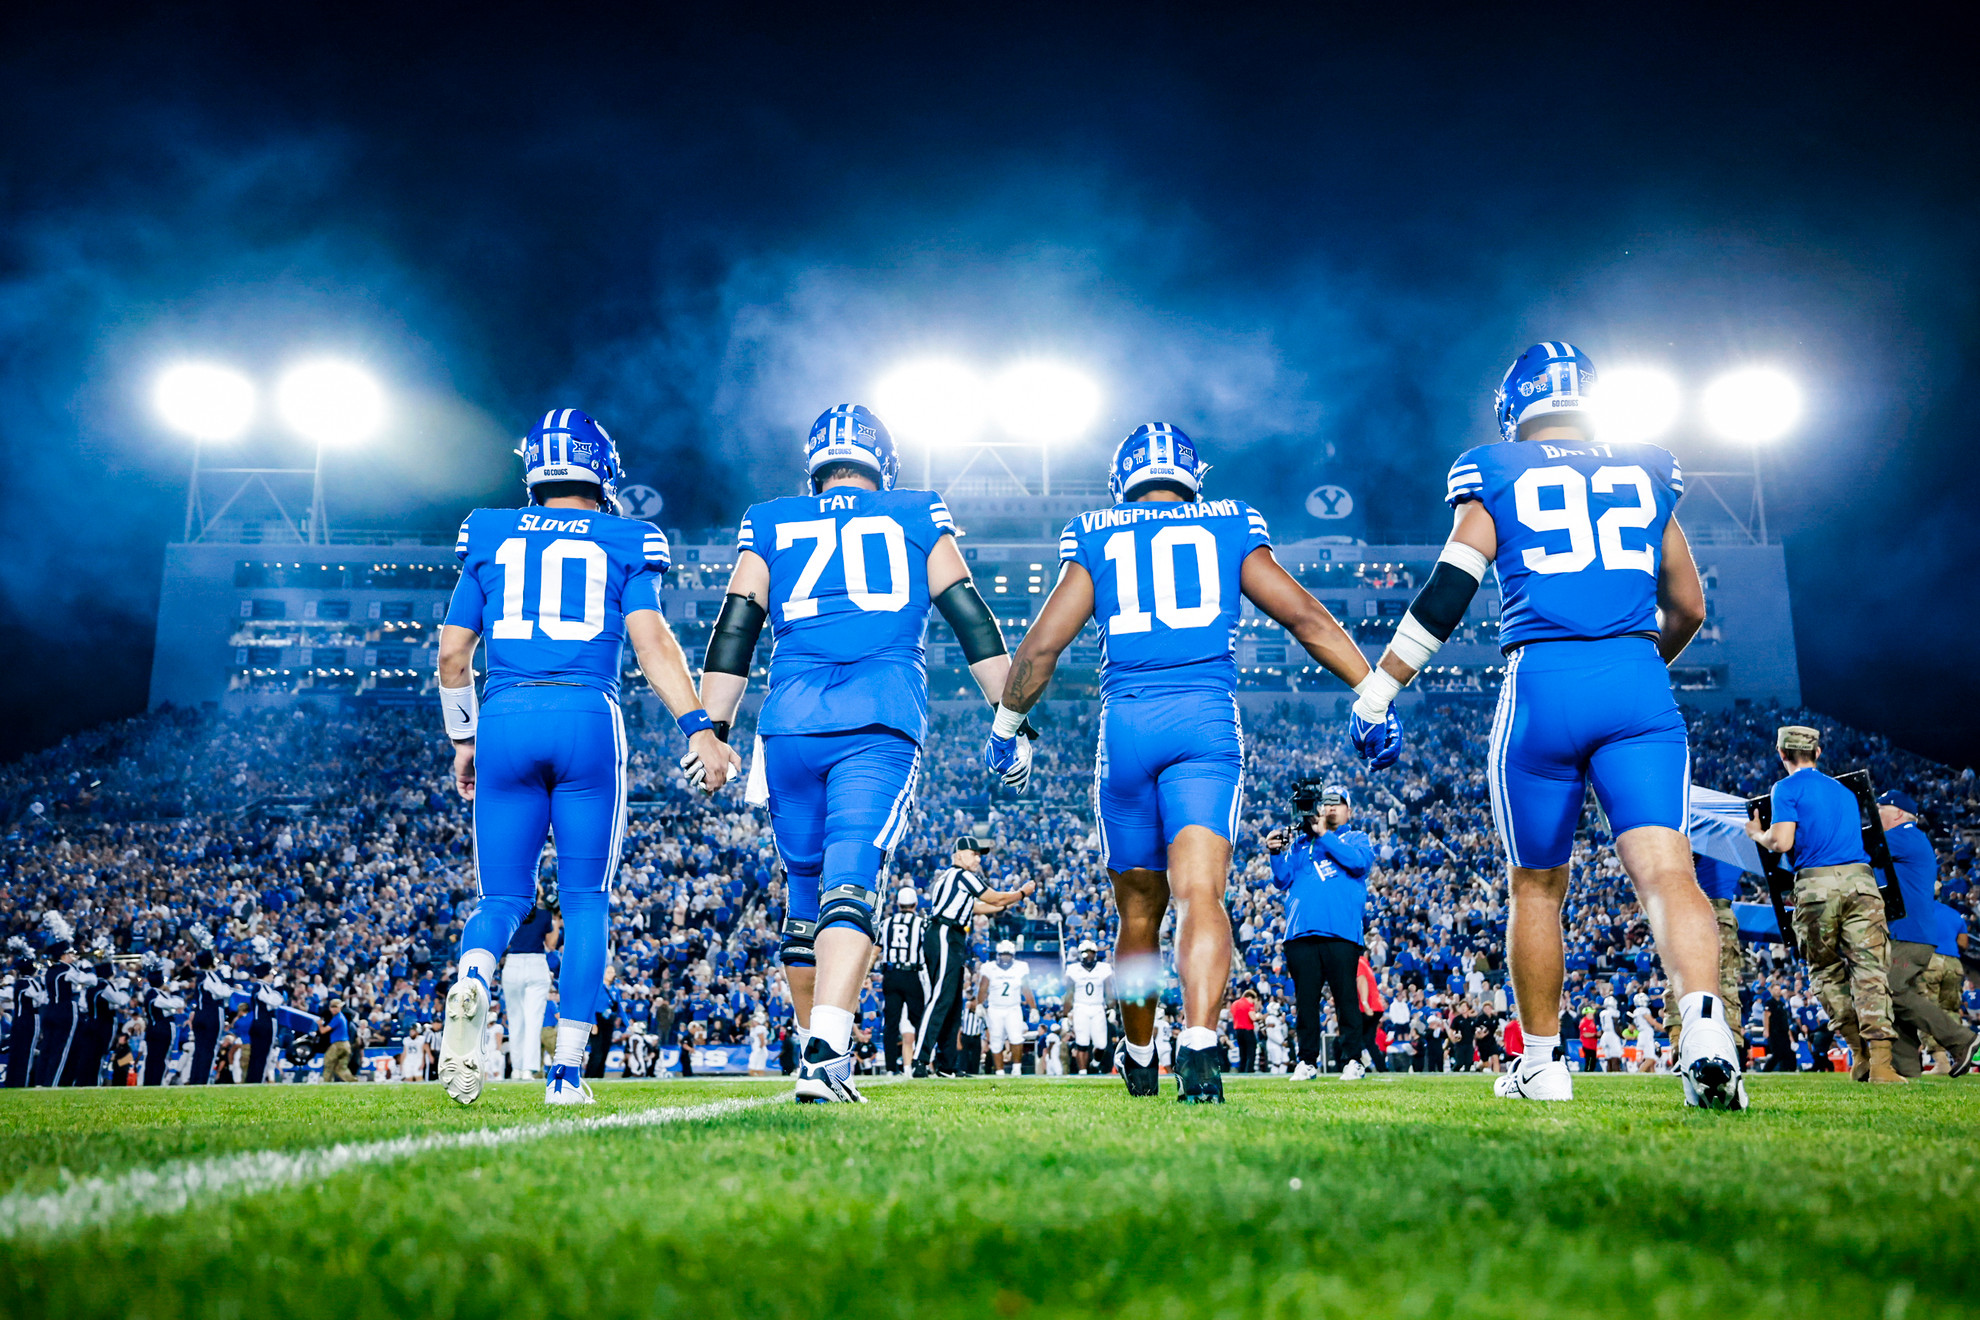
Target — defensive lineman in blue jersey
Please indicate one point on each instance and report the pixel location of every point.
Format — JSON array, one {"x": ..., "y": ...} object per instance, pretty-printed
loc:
[
  {"x": 846, "y": 575},
  {"x": 1165, "y": 574},
  {"x": 1599, "y": 594},
  {"x": 557, "y": 589}
]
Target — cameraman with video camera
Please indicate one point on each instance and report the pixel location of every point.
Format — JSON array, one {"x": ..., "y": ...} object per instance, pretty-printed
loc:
[{"x": 1322, "y": 869}]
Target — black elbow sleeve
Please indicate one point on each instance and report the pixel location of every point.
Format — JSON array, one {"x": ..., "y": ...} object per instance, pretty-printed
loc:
[
  {"x": 974, "y": 625},
  {"x": 1440, "y": 606},
  {"x": 733, "y": 643}
]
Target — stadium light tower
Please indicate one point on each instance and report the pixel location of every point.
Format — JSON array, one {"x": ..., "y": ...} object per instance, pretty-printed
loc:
[
  {"x": 946, "y": 405},
  {"x": 933, "y": 403},
  {"x": 331, "y": 403},
  {"x": 205, "y": 403},
  {"x": 1753, "y": 406}
]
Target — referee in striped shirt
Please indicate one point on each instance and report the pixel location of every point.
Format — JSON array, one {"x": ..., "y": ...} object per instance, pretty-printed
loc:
[
  {"x": 958, "y": 894},
  {"x": 903, "y": 973}
]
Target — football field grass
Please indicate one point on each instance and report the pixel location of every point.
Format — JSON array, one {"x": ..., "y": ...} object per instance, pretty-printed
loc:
[{"x": 1391, "y": 1197}]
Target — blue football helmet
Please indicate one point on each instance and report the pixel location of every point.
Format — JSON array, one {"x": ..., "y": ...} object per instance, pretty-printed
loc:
[
  {"x": 1545, "y": 379},
  {"x": 1155, "y": 451},
  {"x": 850, "y": 433},
  {"x": 567, "y": 445}
]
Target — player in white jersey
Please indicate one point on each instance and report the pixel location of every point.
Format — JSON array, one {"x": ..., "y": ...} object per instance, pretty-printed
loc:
[
  {"x": 1610, "y": 1046},
  {"x": 1088, "y": 977},
  {"x": 1000, "y": 988}
]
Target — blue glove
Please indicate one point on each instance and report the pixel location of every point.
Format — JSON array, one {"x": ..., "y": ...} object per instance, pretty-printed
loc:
[
  {"x": 1379, "y": 743},
  {"x": 1009, "y": 759}
]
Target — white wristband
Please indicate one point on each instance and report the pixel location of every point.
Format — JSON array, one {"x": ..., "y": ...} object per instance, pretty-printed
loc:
[
  {"x": 462, "y": 710},
  {"x": 1374, "y": 694},
  {"x": 1007, "y": 723}
]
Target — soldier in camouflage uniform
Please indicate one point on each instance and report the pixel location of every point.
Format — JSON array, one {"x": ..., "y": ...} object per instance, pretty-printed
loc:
[{"x": 1838, "y": 912}]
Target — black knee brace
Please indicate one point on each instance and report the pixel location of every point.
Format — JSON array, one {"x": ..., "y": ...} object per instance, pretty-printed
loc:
[
  {"x": 847, "y": 905},
  {"x": 794, "y": 946}
]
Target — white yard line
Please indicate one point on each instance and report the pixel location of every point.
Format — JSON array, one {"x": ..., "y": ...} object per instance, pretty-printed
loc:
[{"x": 172, "y": 1187}]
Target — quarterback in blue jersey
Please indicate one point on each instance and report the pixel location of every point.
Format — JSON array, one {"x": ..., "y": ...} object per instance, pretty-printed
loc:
[
  {"x": 1164, "y": 574},
  {"x": 846, "y": 576},
  {"x": 1598, "y": 595},
  {"x": 557, "y": 589}
]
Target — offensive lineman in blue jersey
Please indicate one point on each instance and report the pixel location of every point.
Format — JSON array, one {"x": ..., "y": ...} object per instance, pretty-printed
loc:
[
  {"x": 1165, "y": 574},
  {"x": 558, "y": 588},
  {"x": 846, "y": 575},
  {"x": 1600, "y": 594}
]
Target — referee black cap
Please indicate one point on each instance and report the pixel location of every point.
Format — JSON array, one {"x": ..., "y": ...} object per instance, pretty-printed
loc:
[{"x": 970, "y": 843}]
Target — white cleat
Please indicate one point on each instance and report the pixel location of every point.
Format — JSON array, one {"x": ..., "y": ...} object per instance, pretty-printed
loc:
[
  {"x": 1708, "y": 1061},
  {"x": 568, "y": 1087},
  {"x": 460, "y": 1039},
  {"x": 1306, "y": 1072},
  {"x": 1352, "y": 1071},
  {"x": 1547, "y": 1080}
]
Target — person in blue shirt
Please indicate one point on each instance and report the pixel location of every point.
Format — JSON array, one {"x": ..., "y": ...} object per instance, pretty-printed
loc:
[
  {"x": 1323, "y": 873},
  {"x": 1598, "y": 595},
  {"x": 337, "y": 1047},
  {"x": 1839, "y": 919},
  {"x": 1915, "y": 937},
  {"x": 558, "y": 588},
  {"x": 846, "y": 575},
  {"x": 1164, "y": 575}
]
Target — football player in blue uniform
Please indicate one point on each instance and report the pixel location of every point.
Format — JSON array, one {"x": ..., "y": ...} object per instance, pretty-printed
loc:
[
  {"x": 1599, "y": 595},
  {"x": 846, "y": 576},
  {"x": 1165, "y": 574},
  {"x": 557, "y": 588}
]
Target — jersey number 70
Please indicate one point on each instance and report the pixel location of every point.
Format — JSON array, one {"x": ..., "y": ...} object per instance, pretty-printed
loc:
[{"x": 828, "y": 538}]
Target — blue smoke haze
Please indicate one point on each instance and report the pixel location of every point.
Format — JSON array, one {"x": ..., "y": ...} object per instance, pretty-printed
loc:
[{"x": 1313, "y": 249}]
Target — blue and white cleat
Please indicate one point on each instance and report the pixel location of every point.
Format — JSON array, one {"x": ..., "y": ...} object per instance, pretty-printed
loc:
[
  {"x": 1543, "y": 1079},
  {"x": 1708, "y": 1061},
  {"x": 825, "y": 1078},
  {"x": 568, "y": 1087},
  {"x": 460, "y": 1039}
]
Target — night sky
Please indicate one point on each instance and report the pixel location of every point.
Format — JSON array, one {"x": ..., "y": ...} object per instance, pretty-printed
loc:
[{"x": 1314, "y": 245}]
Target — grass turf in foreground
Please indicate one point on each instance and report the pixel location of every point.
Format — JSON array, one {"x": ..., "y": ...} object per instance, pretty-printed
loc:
[{"x": 1417, "y": 1197}]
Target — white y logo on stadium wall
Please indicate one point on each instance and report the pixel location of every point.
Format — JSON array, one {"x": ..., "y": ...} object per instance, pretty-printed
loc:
[
  {"x": 1329, "y": 502},
  {"x": 641, "y": 502}
]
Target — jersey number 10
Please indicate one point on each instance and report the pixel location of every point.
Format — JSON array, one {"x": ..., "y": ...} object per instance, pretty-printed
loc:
[
  {"x": 1132, "y": 618},
  {"x": 515, "y": 625},
  {"x": 1573, "y": 518}
]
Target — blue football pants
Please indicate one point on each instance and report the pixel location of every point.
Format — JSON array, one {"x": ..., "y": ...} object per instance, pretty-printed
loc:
[
  {"x": 1572, "y": 713},
  {"x": 1165, "y": 761},
  {"x": 839, "y": 803},
  {"x": 550, "y": 760}
]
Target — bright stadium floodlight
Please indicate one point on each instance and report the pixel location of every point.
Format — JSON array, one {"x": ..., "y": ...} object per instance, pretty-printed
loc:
[
  {"x": 1043, "y": 402},
  {"x": 204, "y": 402},
  {"x": 331, "y": 402},
  {"x": 931, "y": 403},
  {"x": 1754, "y": 405},
  {"x": 1635, "y": 403}
]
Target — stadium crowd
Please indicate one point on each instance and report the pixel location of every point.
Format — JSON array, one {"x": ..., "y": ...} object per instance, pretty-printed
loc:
[{"x": 327, "y": 840}]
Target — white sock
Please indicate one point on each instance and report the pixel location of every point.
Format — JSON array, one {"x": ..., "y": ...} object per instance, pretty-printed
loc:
[
  {"x": 573, "y": 1043},
  {"x": 1197, "y": 1038},
  {"x": 479, "y": 960},
  {"x": 804, "y": 1039},
  {"x": 1143, "y": 1055},
  {"x": 834, "y": 1026},
  {"x": 1692, "y": 1007},
  {"x": 1539, "y": 1050}
]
